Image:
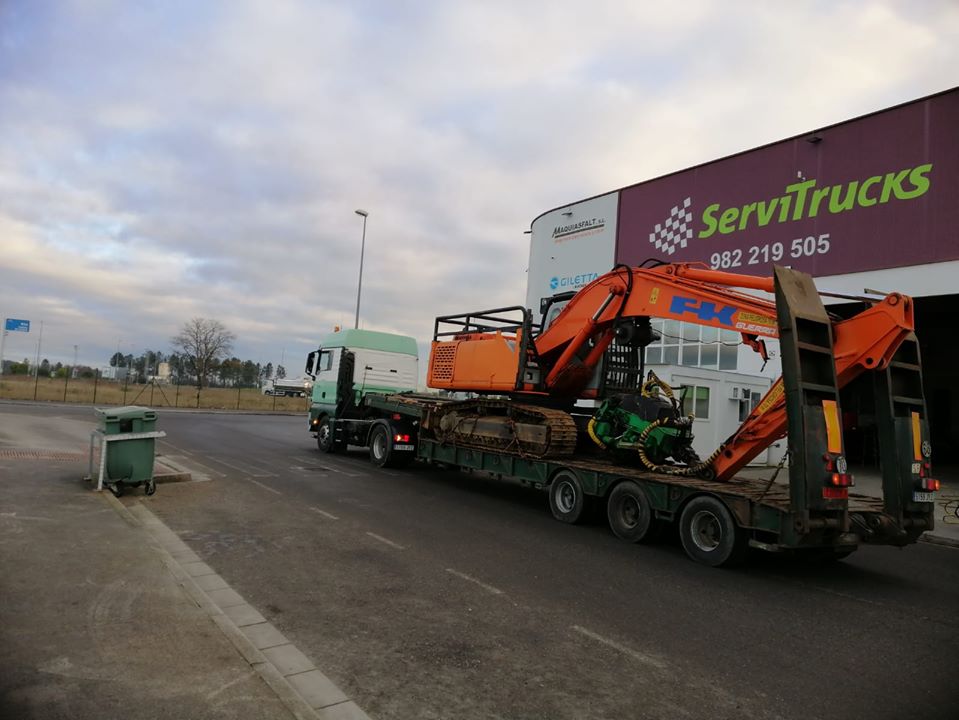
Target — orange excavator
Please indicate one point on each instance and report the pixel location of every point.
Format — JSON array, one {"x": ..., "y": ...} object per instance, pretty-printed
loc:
[{"x": 543, "y": 370}]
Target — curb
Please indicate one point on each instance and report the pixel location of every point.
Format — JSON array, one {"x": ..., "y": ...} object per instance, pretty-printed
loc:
[
  {"x": 939, "y": 540},
  {"x": 177, "y": 474},
  {"x": 317, "y": 699}
]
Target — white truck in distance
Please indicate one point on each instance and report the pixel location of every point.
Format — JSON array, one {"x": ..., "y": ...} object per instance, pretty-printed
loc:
[{"x": 290, "y": 387}]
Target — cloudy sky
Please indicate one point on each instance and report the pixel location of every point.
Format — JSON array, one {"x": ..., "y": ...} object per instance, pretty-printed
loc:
[{"x": 167, "y": 160}]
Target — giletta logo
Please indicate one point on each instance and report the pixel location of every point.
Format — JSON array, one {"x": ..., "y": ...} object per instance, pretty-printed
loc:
[{"x": 572, "y": 282}]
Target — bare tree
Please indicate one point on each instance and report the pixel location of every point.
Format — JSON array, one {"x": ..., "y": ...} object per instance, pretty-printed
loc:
[{"x": 204, "y": 343}]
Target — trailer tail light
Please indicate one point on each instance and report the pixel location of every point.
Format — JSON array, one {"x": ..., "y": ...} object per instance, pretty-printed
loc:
[
  {"x": 837, "y": 480},
  {"x": 397, "y": 416},
  {"x": 930, "y": 484},
  {"x": 841, "y": 480},
  {"x": 401, "y": 438}
]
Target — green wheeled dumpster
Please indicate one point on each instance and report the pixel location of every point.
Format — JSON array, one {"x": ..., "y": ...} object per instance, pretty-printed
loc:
[{"x": 128, "y": 441}]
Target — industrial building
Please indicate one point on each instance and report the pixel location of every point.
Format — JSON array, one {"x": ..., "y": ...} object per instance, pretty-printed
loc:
[{"x": 865, "y": 206}]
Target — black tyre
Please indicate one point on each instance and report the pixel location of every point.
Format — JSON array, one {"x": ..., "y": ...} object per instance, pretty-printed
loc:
[
  {"x": 150, "y": 487},
  {"x": 709, "y": 533},
  {"x": 325, "y": 440},
  {"x": 566, "y": 498},
  {"x": 117, "y": 489},
  {"x": 381, "y": 446},
  {"x": 630, "y": 513}
]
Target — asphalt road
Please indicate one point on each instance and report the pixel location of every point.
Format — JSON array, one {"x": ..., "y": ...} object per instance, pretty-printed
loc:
[{"x": 435, "y": 594}]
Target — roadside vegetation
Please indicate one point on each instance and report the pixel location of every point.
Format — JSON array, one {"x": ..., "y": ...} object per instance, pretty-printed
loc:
[{"x": 153, "y": 394}]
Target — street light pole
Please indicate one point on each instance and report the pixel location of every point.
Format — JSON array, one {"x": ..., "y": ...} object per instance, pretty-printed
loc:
[{"x": 359, "y": 284}]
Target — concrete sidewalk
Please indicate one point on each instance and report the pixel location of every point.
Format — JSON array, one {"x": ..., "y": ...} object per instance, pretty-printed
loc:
[{"x": 95, "y": 621}]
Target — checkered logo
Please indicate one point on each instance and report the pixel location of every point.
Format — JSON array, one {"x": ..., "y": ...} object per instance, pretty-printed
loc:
[{"x": 675, "y": 231}]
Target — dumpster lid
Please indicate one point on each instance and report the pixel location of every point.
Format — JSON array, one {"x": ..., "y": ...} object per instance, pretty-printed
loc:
[{"x": 127, "y": 412}]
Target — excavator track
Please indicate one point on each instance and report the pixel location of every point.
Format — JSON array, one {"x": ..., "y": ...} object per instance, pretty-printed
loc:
[{"x": 503, "y": 426}]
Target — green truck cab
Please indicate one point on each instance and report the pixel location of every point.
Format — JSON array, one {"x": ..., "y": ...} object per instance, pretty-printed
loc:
[{"x": 349, "y": 366}]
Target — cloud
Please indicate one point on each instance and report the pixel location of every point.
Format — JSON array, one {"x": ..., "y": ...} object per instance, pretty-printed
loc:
[{"x": 177, "y": 160}]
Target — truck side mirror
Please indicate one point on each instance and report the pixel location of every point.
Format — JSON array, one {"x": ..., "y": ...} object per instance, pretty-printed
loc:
[{"x": 310, "y": 365}]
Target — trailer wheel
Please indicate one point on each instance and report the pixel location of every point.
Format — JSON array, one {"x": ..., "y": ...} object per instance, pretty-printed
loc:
[
  {"x": 566, "y": 498},
  {"x": 325, "y": 440},
  {"x": 630, "y": 513},
  {"x": 709, "y": 533}
]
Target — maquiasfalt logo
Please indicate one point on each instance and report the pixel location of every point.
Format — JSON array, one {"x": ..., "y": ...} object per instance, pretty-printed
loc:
[{"x": 562, "y": 233}]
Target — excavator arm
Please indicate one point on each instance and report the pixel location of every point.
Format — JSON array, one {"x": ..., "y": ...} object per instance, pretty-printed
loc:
[
  {"x": 559, "y": 362},
  {"x": 575, "y": 342},
  {"x": 866, "y": 341}
]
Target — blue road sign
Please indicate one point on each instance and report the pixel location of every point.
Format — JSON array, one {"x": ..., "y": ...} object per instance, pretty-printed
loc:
[{"x": 14, "y": 325}]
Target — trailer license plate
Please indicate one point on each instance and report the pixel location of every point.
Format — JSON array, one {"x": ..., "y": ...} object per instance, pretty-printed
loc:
[
  {"x": 403, "y": 447},
  {"x": 924, "y": 497}
]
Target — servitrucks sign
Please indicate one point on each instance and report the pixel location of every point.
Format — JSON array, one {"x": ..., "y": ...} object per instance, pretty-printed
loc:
[{"x": 871, "y": 193}]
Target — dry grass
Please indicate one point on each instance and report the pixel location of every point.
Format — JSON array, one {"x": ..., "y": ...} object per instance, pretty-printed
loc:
[{"x": 105, "y": 392}]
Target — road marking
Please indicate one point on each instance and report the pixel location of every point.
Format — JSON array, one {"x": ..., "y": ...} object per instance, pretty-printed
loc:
[
  {"x": 242, "y": 469},
  {"x": 25, "y": 517},
  {"x": 319, "y": 469},
  {"x": 636, "y": 655},
  {"x": 194, "y": 461},
  {"x": 343, "y": 472},
  {"x": 265, "y": 487},
  {"x": 384, "y": 540},
  {"x": 231, "y": 683},
  {"x": 325, "y": 514},
  {"x": 178, "y": 449},
  {"x": 470, "y": 578}
]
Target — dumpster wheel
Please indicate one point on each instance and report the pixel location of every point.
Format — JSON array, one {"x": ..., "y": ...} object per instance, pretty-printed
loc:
[
  {"x": 116, "y": 488},
  {"x": 150, "y": 487}
]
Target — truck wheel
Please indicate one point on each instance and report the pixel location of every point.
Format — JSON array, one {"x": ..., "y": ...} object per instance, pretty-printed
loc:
[
  {"x": 381, "y": 446},
  {"x": 709, "y": 533},
  {"x": 324, "y": 437},
  {"x": 630, "y": 513},
  {"x": 566, "y": 498}
]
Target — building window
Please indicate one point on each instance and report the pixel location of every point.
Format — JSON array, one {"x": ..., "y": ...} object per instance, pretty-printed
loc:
[
  {"x": 748, "y": 404},
  {"x": 693, "y": 345},
  {"x": 696, "y": 401}
]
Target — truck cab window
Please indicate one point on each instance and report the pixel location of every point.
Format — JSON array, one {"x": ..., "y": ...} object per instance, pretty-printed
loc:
[{"x": 326, "y": 361}]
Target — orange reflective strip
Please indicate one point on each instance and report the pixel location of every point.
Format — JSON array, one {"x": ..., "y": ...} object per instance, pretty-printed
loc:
[
  {"x": 916, "y": 437},
  {"x": 833, "y": 433}
]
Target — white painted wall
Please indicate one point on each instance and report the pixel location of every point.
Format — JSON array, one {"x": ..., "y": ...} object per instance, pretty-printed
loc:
[
  {"x": 723, "y": 419},
  {"x": 570, "y": 247}
]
